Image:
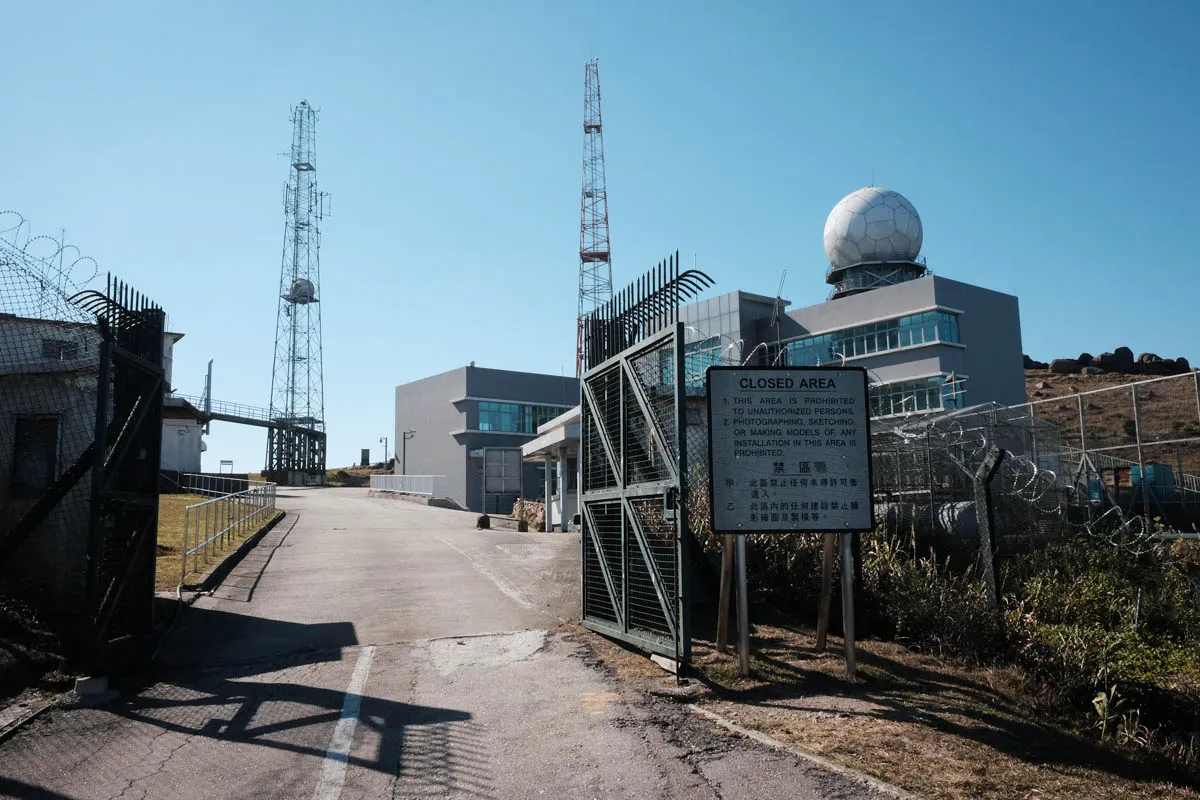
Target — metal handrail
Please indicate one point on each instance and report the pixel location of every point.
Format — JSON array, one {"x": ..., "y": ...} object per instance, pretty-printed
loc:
[
  {"x": 434, "y": 486},
  {"x": 227, "y": 408},
  {"x": 216, "y": 485},
  {"x": 224, "y": 516},
  {"x": 1184, "y": 481}
]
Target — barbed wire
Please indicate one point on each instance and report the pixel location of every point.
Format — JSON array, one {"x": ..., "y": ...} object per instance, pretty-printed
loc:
[
  {"x": 40, "y": 271},
  {"x": 1044, "y": 487}
]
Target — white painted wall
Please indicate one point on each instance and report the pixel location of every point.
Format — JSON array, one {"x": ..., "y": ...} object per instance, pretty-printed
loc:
[{"x": 182, "y": 445}]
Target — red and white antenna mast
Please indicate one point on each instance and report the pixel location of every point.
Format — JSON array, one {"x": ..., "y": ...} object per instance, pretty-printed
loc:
[{"x": 595, "y": 257}]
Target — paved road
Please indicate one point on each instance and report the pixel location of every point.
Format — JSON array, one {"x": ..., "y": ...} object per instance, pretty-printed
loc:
[{"x": 375, "y": 648}]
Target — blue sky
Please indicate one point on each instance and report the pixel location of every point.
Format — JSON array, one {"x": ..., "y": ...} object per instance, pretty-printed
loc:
[{"x": 1051, "y": 149}]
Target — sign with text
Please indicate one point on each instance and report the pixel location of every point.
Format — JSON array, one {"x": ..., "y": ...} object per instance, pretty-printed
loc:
[{"x": 789, "y": 449}]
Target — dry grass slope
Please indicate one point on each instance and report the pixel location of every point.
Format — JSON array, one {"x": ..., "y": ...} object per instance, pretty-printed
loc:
[{"x": 170, "y": 540}]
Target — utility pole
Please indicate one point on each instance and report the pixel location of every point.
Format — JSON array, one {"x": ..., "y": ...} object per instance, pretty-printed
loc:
[
  {"x": 384, "y": 441},
  {"x": 408, "y": 434}
]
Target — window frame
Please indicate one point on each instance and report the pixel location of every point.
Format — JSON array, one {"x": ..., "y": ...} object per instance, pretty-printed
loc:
[{"x": 20, "y": 484}]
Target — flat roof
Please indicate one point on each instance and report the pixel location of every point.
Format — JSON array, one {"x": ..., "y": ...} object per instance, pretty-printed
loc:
[{"x": 566, "y": 418}]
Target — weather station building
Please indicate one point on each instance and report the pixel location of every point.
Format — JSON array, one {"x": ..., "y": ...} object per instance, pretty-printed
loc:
[
  {"x": 928, "y": 343},
  {"x": 451, "y": 424}
]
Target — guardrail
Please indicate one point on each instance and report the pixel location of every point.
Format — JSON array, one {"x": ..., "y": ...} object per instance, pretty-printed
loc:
[
  {"x": 214, "y": 523},
  {"x": 226, "y": 407},
  {"x": 434, "y": 486},
  {"x": 216, "y": 485}
]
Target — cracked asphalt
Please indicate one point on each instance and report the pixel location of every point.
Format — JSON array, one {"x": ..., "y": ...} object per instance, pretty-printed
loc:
[{"x": 469, "y": 686}]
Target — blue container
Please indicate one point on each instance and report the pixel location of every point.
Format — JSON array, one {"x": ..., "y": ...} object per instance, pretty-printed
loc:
[{"x": 1156, "y": 475}]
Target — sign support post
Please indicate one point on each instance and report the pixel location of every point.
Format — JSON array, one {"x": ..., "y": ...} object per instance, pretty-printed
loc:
[
  {"x": 848, "y": 603},
  {"x": 743, "y": 606},
  {"x": 723, "y": 609},
  {"x": 827, "y": 557},
  {"x": 789, "y": 451}
]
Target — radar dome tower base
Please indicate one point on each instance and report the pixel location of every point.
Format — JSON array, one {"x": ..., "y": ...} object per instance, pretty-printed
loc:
[{"x": 873, "y": 238}]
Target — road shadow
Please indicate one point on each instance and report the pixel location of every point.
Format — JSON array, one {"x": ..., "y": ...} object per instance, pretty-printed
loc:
[
  {"x": 20, "y": 790},
  {"x": 253, "y": 689}
]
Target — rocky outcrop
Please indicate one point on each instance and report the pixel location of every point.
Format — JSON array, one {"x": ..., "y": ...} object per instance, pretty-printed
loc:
[
  {"x": 1064, "y": 366},
  {"x": 1119, "y": 361}
]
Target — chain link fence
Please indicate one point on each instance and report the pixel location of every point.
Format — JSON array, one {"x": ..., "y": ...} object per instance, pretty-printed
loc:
[
  {"x": 49, "y": 370},
  {"x": 1119, "y": 463}
]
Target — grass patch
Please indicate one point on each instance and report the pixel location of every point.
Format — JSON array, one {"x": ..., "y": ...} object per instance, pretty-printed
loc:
[
  {"x": 354, "y": 476},
  {"x": 169, "y": 560}
]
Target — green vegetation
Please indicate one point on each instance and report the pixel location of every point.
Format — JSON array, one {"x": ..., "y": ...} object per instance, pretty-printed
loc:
[{"x": 1106, "y": 634}]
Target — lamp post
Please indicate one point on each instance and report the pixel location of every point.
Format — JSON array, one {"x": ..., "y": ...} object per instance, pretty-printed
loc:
[
  {"x": 408, "y": 434},
  {"x": 385, "y": 446}
]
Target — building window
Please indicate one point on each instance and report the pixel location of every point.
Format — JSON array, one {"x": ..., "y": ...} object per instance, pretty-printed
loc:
[
  {"x": 35, "y": 455},
  {"x": 698, "y": 357},
  {"x": 876, "y": 337},
  {"x": 937, "y": 393},
  {"x": 515, "y": 417},
  {"x": 59, "y": 350}
]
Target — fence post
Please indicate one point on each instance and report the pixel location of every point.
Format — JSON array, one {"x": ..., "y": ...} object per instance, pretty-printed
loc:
[
  {"x": 1196, "y": 380},
  {"x": 1137, "y": 429},
  {"x": 183, "y": 567},
  {"x": 983, "y": 514}
]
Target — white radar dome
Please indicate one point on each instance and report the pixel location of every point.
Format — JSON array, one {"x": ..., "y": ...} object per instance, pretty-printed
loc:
[
  {"x": 872, "y": 224},
  {"x": 302, "y": 292}
]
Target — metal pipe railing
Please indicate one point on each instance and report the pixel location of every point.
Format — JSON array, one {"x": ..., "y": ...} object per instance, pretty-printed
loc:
[
  {"x": 216, "y": 485},
  {"x": 434, "y": 486},
  {"x": 219, "y": 520}
]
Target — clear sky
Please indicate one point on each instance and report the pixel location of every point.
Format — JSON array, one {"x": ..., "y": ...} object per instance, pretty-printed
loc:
[{"x": 1051, "y": 148}]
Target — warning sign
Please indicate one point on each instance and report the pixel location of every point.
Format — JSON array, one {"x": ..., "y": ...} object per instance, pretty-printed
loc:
[{"x": 789, "y": 449}]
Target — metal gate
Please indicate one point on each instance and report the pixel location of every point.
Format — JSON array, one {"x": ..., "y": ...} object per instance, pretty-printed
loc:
[
  {"x": 634, "y": 520},
  {"x": 124, "y": 491}
]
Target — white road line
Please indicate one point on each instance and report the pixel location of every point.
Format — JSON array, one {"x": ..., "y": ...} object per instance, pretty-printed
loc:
[
  {"x": 329, "y": 787},
  {"x": 511, "y": 591}
]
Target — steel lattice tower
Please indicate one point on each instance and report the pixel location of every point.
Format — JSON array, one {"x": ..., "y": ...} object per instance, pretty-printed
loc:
[
  {"x": 595, "y": 257},
  {"x": 297, "y": 444}
]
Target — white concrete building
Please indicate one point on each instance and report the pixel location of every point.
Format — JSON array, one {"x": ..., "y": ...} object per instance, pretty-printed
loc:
[{"x": 557, "y": 448}]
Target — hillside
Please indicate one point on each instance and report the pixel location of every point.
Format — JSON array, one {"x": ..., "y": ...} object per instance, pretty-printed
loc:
[{"x": 1170, "y": 418}]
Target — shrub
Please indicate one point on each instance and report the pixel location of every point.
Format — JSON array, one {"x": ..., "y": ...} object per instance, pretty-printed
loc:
[
  {"x": 1091, "y": 584},
  {"x": 923, "y": 602}
]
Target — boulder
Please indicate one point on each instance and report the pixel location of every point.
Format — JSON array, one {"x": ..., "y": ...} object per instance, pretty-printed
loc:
[
  {"x": 1031, "y": 364},
  {"x": 1041, "y": 385},
  {"x": 1182, "y": 365},
  {"x": 1064, "y": 366},
  {"x": 1122, "y": 359},
  {"x": 1148, "y": 358},
  {"x": 1085, "y": 359},
  {"x": 1105, "y": 360},
  {"x": 1091, "y": 371}
]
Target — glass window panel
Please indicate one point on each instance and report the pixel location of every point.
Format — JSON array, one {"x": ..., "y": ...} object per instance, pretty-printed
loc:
[{"x": 861, "y": 340}]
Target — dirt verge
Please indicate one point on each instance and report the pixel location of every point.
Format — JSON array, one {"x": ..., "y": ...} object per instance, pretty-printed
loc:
[{"x": 931, "y": 728}]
